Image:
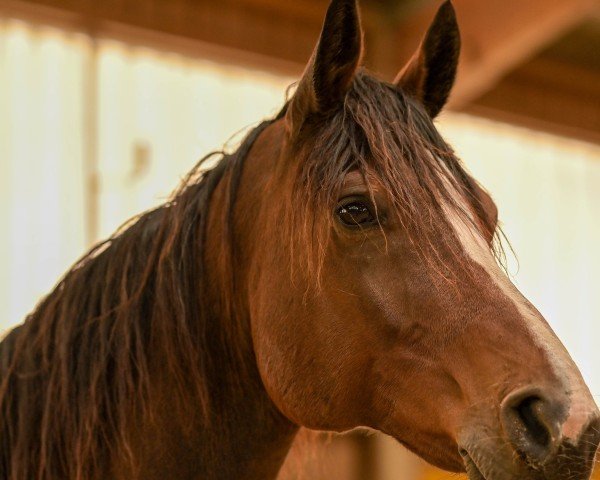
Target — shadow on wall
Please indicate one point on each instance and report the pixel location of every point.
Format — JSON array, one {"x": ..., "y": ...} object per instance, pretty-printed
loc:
[
  {"x": 359, "y": 455},
  {"x": 320, "y": 456}
]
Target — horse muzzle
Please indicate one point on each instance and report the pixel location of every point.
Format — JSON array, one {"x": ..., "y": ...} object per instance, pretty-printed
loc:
[{"x": 543, "y": 435}]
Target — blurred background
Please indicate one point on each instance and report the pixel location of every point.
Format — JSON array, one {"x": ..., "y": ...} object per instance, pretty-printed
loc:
[{"x": 105, "y": 105}]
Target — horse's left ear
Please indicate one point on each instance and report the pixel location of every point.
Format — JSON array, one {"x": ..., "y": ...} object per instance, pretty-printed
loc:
[
  {"x": 331, "y": 69},
  {"x": 429, "y": 75}
]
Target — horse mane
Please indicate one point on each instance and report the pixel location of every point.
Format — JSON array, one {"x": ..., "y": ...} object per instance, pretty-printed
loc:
[{"x": 73, "y": 373}]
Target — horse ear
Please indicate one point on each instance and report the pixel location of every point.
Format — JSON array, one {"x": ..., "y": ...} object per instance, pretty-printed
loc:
[
  {"x": 429, "y": 75},
  {"x": 331, "y": 68}
]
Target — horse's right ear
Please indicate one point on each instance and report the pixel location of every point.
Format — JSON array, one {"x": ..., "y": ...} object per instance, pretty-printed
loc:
[{"x": 332, "y": 66}]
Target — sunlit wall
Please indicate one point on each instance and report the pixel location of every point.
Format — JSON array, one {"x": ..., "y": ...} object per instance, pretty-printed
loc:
[
  {"x": 156, "y": 113},
  {"x": 159, "y": 113},
  {"x": 41, "y": 168}
]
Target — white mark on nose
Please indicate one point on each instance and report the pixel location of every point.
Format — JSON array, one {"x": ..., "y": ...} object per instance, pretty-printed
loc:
[{"x": 558, "y": 359}]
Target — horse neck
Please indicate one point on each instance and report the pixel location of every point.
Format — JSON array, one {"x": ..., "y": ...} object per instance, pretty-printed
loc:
[
  {"x": 245, "y": 436},
  {"x": 257, "y": 437},
  {"x": 244, "y": 439}
]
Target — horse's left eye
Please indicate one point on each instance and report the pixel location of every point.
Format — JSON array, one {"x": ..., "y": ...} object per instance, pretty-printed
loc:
[{"x": 356, "y": 213}]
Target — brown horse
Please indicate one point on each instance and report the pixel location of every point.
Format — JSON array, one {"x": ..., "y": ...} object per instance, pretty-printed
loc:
[{"x": 337, "y": 271}]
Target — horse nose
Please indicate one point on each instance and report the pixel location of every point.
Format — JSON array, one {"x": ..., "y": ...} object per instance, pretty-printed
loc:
[
  {"x": 532, "y": 423},
  {"x": 537, "y": 422}
]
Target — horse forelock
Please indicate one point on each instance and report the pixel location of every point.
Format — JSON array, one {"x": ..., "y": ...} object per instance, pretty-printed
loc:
[{"x": 390, "y": 139}]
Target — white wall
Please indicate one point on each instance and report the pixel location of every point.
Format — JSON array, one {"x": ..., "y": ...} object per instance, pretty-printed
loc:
[
  {"x": 174, "y": 110},
  {"x": 158, "y": 114},
  {"x": 41, "y": 170}
]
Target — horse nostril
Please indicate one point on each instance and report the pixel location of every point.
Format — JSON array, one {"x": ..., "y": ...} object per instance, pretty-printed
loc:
[
  {"x": 532, "y": 424},
  {"x": 530, "y": 412}
]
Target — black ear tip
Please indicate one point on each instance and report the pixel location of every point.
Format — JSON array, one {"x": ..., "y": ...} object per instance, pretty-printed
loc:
[
  {"x": 448, "y": 5},
  {"x": 445, "y": 24},
  {"x": 446, "y": 12},
  {"x": 344, "y": 11},
  {"x": 343, "y": 4}
]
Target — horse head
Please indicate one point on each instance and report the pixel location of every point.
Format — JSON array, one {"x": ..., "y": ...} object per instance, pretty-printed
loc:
[{"x": 374, "y": 293}]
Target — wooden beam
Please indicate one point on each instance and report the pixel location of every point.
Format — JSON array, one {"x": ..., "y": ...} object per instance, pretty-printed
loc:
[
  {"x": 498, "y": 35},
  {"x": 63, "y": 14},
  {"x": 248, "y": 27},
  {"x": 546, "y": 94},
  {"x": 523, "y": 28},
  {"x": 281, "y": 31}
]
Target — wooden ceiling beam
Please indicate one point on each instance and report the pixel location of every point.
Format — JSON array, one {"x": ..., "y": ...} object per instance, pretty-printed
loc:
[
  {"x": 523, "y": 30},
  {"x": 498, "y": 35},
  {"x": 547, "y": 94}
]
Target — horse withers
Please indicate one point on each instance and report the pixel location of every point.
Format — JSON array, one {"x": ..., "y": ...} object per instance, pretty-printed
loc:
[{"x": 338, "y": 270}]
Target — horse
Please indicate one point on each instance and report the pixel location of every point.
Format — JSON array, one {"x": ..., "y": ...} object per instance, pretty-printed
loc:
[{"x": 339, "y": 269}]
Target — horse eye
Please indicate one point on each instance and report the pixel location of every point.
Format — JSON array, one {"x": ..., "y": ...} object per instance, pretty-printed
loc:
[{"x": 356, "y": 213}]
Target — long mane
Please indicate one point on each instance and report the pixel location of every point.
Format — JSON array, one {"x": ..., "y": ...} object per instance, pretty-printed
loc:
[{"x": 72, "y": 375}]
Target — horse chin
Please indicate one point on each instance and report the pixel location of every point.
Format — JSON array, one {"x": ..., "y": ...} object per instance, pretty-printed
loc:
[{"x": 473, "y": 472}]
